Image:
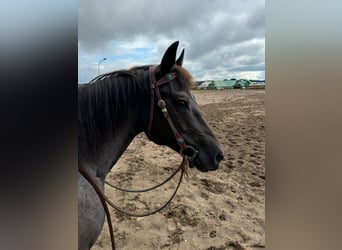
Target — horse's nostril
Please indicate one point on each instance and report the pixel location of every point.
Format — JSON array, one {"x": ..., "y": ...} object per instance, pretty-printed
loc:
[{"x": 219, "y": 157}]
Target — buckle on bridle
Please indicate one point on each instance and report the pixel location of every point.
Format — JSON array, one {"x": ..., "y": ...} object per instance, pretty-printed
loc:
[{"x": 189, "y": 152}]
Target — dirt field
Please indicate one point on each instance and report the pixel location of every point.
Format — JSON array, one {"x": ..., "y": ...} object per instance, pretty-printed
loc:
[{"x": 224, "y": 209}]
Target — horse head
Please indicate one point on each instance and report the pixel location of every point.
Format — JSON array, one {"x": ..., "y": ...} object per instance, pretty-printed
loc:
[{"x": 184, "y": 113}]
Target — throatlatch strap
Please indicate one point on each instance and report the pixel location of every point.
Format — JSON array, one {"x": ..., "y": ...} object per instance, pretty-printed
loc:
[{"x": 150, "y": 120}]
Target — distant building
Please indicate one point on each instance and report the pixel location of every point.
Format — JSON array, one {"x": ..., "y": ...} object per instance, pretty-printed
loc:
[{"x": 224, "y": 84}]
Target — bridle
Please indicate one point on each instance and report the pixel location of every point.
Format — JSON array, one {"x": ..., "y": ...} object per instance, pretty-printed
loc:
[{"x": 187, "y": 152}]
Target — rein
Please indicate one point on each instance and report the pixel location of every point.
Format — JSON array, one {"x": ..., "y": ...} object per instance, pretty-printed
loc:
[
  {"x": 183, "y": 166},
  {"x": 187, "y": 151}
]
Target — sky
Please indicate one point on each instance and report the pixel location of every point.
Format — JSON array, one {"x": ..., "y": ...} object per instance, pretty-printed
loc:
[{"x": 222, "y": 39}]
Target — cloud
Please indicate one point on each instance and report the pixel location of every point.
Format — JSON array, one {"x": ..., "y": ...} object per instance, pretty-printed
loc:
[{"x": 218, "y": 36}]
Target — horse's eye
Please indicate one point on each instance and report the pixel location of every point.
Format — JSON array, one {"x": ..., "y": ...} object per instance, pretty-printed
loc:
[{"x": 182, "y": 103}]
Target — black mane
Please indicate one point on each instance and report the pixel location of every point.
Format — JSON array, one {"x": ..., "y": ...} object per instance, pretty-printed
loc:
[{"x": 102, "y": 105}]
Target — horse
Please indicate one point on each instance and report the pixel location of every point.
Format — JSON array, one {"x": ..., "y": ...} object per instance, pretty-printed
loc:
[{"x": 115, "y": 107}]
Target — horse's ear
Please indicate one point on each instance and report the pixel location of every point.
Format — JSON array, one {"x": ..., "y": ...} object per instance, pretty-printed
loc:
[
  {"x": 169, "y": 58},
  {"x": 179, "y": 61}
]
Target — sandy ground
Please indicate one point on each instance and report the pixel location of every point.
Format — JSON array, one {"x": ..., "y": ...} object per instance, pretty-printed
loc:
[{"x": 224, "y": 209}]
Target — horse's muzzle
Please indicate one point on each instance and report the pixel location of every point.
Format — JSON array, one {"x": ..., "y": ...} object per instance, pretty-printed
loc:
[{"x": 218, "y": 157}]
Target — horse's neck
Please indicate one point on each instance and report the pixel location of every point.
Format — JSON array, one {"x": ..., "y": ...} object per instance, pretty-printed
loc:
[{"x": 114, "y": 147}]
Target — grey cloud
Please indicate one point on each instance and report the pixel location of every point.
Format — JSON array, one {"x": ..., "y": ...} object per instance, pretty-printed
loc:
[
  {"x": 233, "y": 56},
  {"x": 215, "y": 33},
  {"x": 102, "y": 21},
  {"x": 257, "y": 19}
]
